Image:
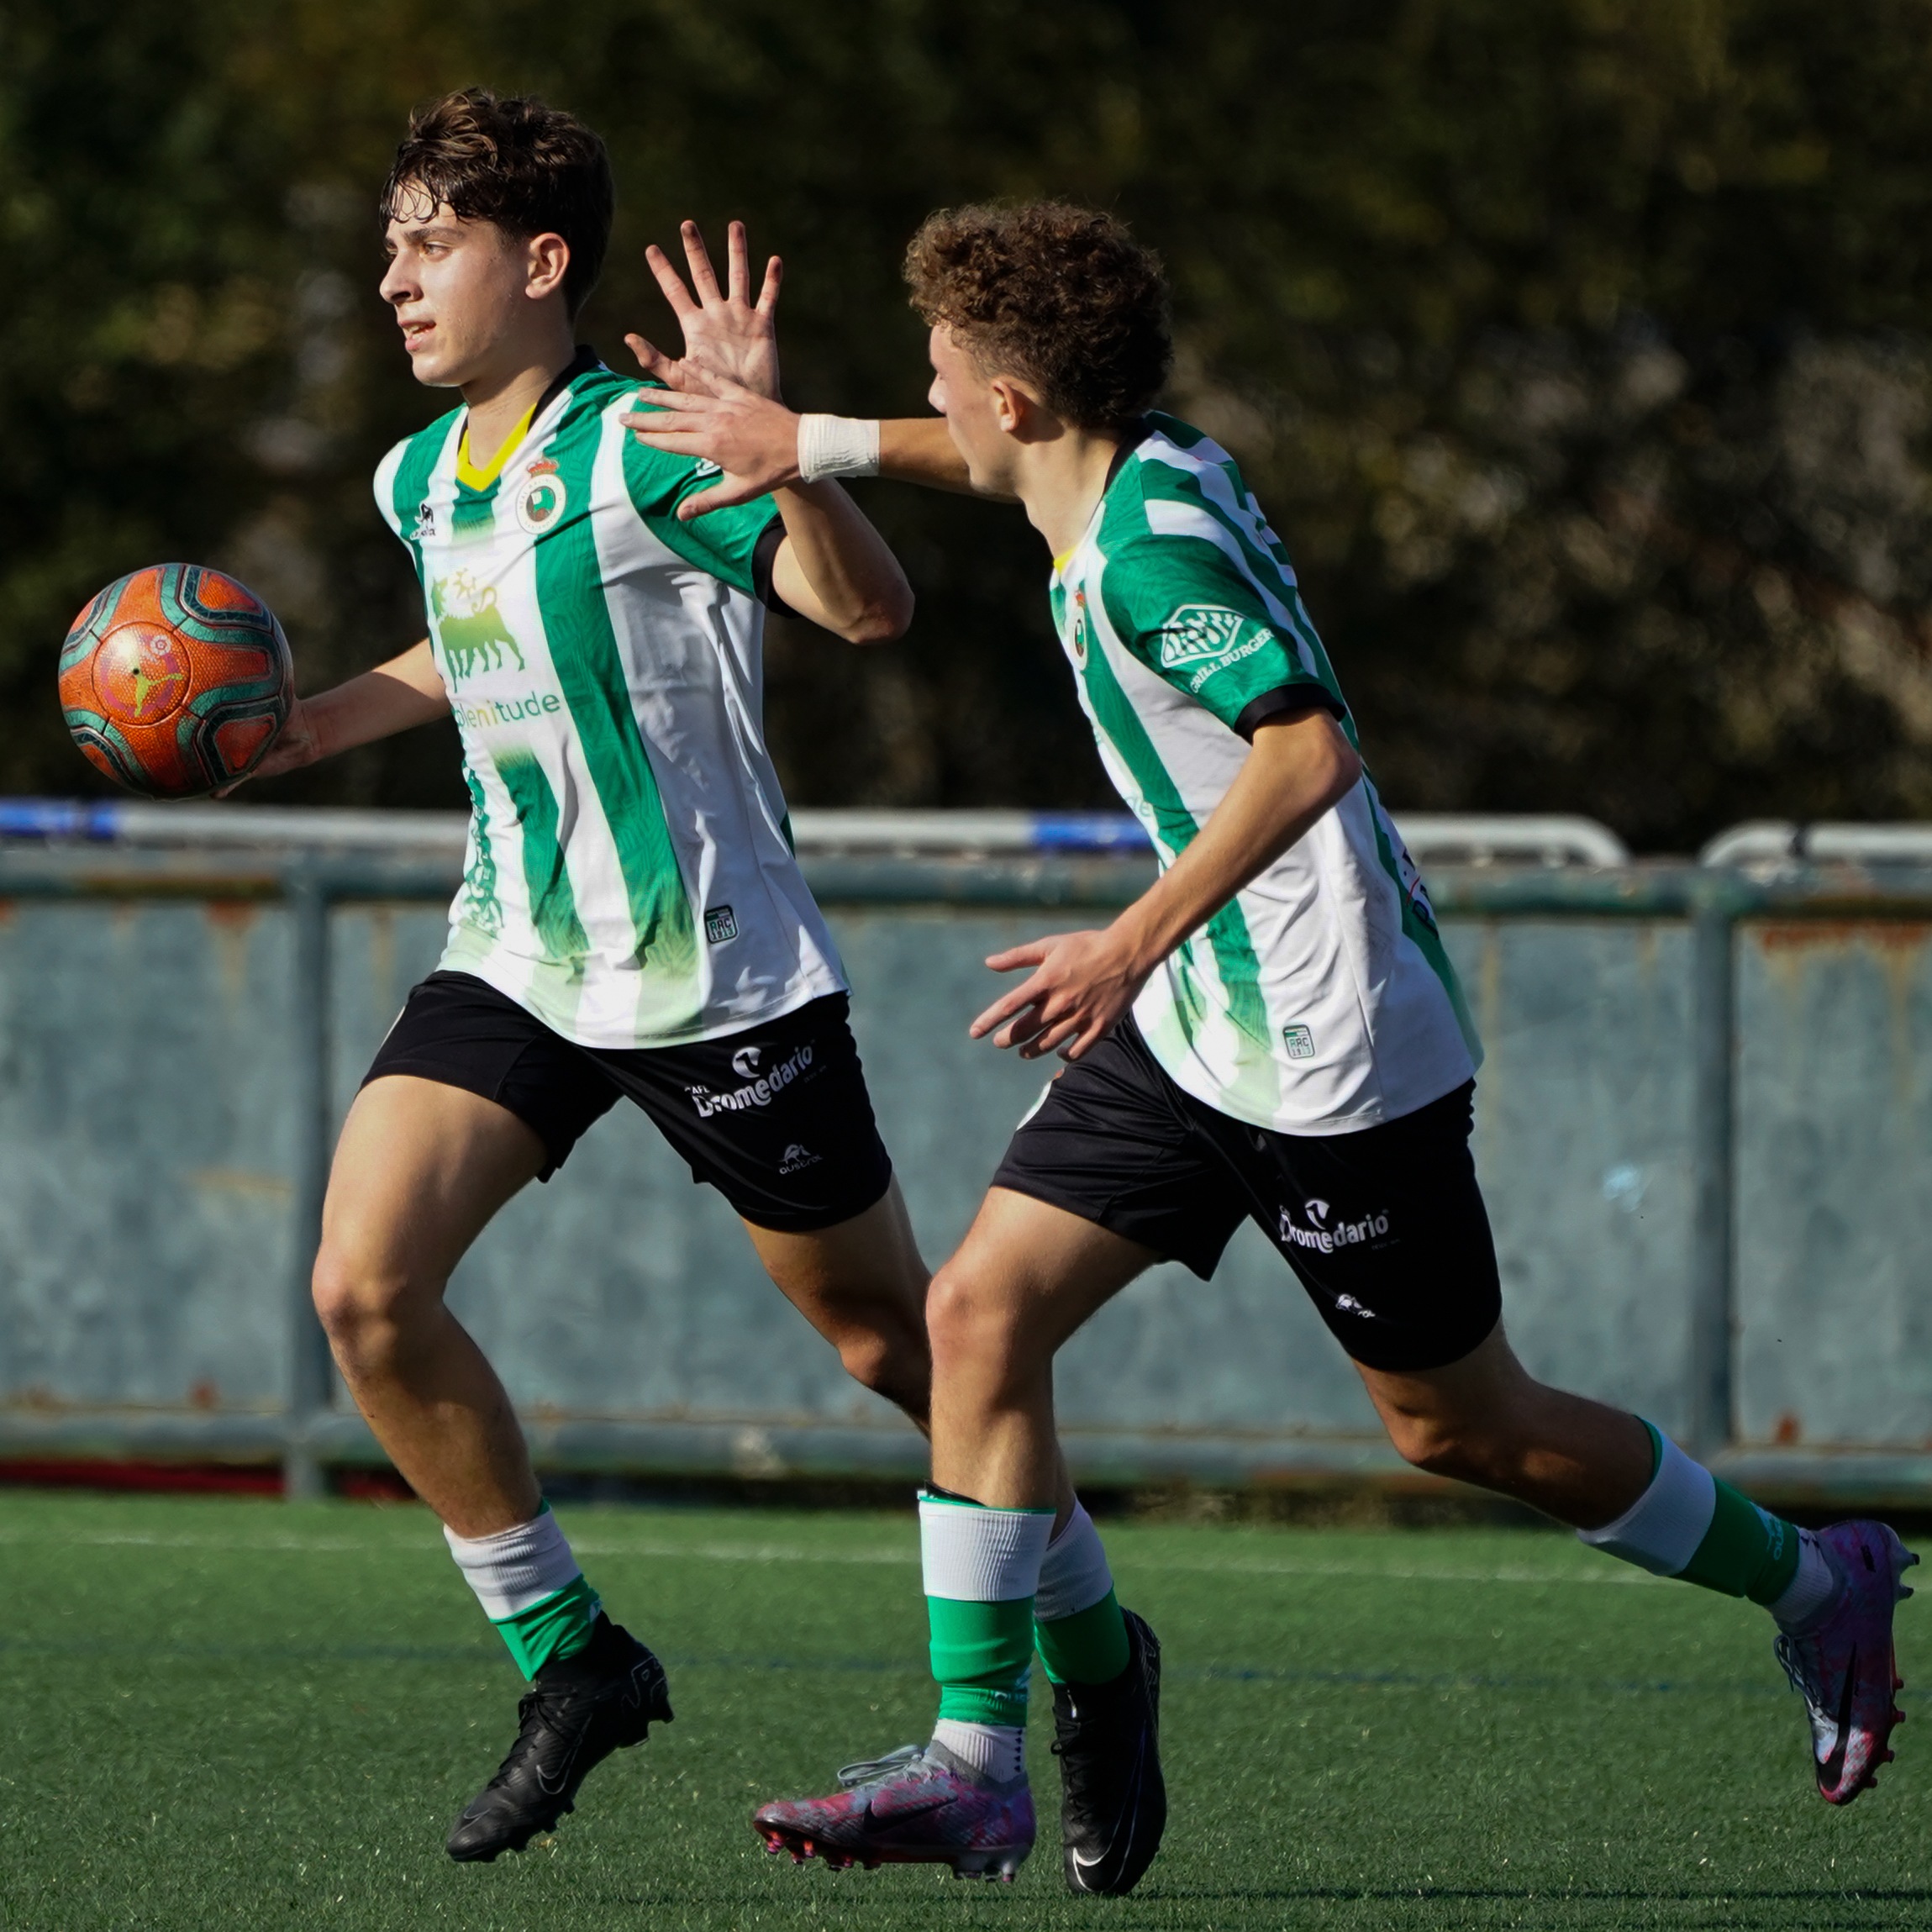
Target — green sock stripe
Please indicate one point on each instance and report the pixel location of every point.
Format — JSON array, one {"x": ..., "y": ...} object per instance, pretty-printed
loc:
[
  {"x": 986, "y": 1646},
  {"x": 1780, "y": 1566},
  {"x": 1656, "y": 1447},
  {"x": 1089, "y": 1647},
  {"x": 560, "y": 1626},
  {"x": 951, "y": 1499},
  {"x": 1746, "y": 1551},
  {"x": 967, "y": 1705}
]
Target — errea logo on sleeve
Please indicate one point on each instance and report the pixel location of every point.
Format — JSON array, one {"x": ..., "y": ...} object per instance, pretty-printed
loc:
[{"x": 1204, "y": 638}]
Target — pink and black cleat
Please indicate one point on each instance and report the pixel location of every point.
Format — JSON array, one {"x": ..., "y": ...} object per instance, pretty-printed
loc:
[
  {"x": 1844, "y": 1667},
  {"x": 918, "y": 1805}
]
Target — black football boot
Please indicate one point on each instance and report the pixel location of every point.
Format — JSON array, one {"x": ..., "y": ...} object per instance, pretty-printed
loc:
[
  {"x": 576, "y": 1712},
  {"x": 1114, "y": 1800}
]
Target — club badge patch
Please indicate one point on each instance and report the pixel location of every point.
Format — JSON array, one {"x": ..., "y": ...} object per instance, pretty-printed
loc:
[{"x": 540, "y": 500}]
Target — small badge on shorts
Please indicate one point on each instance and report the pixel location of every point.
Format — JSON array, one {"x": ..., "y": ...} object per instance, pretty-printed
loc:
[
  {"x": 1300, "y": 1042},
  {"x": 719, "y": 926},
  {"x": 797, "y": 1159}
]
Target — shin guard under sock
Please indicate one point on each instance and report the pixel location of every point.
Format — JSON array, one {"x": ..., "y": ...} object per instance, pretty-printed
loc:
[{"x": 980, "y": 1568}]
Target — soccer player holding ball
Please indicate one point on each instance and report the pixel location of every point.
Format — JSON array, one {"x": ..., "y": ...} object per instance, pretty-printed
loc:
[
  {"x": 632, "y": 923},
  {"x": 1272, "y": 1032}
]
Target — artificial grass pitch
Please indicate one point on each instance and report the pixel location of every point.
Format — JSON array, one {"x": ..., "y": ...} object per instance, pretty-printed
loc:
[{"x": 225, "y": 1712}]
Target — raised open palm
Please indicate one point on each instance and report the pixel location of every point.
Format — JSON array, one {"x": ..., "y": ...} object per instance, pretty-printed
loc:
[{"x": 726, "y": 332}]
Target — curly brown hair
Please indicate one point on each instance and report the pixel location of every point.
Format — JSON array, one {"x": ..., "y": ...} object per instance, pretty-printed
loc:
[
  {"x": 529, "y": 168},
  {"x": 1063, "y": 297}
]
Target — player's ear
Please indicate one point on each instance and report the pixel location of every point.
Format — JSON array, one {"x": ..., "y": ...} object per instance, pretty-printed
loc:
[
  {"x": 547, "y": 260},
  {"x": 1012, "y": 407}
]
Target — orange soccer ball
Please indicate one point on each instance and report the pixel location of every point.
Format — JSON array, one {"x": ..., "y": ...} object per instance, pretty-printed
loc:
[{"x": 174, "y": 680}]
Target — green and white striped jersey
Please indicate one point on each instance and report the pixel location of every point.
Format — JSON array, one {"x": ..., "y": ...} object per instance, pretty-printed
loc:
[
  {"x": 1319, "y": 1000},
  {"x": 630, "y": 878}
]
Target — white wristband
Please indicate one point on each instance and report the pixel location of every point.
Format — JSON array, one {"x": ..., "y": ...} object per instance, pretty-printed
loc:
[{"x": 837, "y": 446}]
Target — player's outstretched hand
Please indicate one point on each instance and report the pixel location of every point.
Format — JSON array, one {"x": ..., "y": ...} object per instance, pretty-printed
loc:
[
  {"x": 1081, "y": 986},
  {"x": 726, "y": 332},
  {"x": 720, "y": 402},
  {"x": 753, "y": 440},
  {"x": 295, "y": 744}
]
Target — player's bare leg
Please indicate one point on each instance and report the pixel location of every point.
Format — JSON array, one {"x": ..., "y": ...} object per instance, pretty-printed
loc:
[
  {"x": 1485, "y": 1421},
  {"x": 862, "y": 1286},
  {"x": 1629, "y": 1490},
  {"x": 1026, "y": 1278},
  {"x": 420, "y": 1170}
]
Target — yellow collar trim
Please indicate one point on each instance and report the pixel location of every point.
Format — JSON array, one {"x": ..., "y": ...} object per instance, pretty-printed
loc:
[{"x": 469, "y": 475}]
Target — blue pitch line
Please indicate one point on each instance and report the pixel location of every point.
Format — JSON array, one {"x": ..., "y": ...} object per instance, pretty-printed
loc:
[{"x": 488, "y": 1656}]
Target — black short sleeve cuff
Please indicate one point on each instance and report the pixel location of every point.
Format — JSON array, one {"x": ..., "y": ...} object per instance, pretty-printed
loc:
[
  {"x": 1285, "y": 701},
  {"x": 764, "y": 557}
]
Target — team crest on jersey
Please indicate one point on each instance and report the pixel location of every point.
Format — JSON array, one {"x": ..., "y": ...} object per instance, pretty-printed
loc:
[
  {"x": 540, "y": 500},
  {"x": 1080, "y": 626},
  {"x": 1198, "y": 631}
]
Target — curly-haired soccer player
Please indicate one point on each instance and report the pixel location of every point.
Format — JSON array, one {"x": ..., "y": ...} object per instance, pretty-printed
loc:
[{"x": 1273, "y": 1032}]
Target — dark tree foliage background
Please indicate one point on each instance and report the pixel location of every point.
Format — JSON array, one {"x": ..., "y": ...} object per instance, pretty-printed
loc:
[{"x": 1579, "y": 349}]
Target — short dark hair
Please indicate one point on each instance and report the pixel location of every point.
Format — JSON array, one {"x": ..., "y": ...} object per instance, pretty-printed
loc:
[
  {"x": 529, "y": 168},
  {"x": 1063, "y": 297}
]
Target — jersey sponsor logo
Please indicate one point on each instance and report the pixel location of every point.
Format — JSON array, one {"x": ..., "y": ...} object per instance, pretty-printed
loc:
[
  {"x": 471, "y": 628},
  {"x": 1202, "y": 638},
  {"x": 1325, "y": 1236},
  {"x": 759, "y": 1091},
  {"x": 1300, "y": 1041},
  {"x": 798, "y": 1159},
  {"x": 541, "y": 502},
  {"x": 479, "y": 715},
  {"x": 720, "y": 925}
]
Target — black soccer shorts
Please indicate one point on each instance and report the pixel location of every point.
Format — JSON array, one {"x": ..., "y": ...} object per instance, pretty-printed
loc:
[
  {"x": 1385, "y": 1227},
  {"x": 777, "y": 1117}
]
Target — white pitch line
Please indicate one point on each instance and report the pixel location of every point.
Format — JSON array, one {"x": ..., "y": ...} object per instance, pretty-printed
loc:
[{"x": 1610, "y": 1574}]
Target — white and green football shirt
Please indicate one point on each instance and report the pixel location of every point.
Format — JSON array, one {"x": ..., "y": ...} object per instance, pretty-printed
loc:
[
  {"x": 630, "y": 878},
  {"x": 1319, "y": 1000}
]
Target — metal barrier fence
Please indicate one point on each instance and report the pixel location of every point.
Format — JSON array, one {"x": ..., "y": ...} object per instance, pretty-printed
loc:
[{"x": 1702, "y": 1130}]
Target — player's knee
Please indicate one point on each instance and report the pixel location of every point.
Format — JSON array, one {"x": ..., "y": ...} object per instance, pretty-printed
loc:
[
  {"x": 356, "y": 1300},
  {"x": 1440, "y": 1446},
  {"x": 967, "y": 1323},
  {"x": 887, "y": 1364}
]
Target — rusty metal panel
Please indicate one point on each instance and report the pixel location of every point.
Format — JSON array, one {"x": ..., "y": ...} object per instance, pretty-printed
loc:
[
  {"x": 618, "y": 1289},
  {"x": 1584, "y": 1109},
  {"x": 144, "y": 1175},
  {"x": 1833, "y": 1204}
]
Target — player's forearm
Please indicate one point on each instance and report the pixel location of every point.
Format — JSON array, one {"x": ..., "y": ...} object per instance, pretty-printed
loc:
[
  {"x": 921, "y": 450},
  {"x": 1298, "y": 770},
  {"x": 835, "y": 569},
  {"x": 406, "y": 692}
]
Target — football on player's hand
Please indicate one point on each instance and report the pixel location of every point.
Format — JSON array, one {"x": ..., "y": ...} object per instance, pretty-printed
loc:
[{"x": 174, "y": 680}]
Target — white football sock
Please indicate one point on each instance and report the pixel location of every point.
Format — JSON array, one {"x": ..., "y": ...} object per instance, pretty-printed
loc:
[
  {"x": 996, "y": 1751},
  {"x": 516, "y": 1569},
  {"x": 1073, "y": 1573},
  {"x": 1661, "y": 1531},
  {"x": 975, "y": 1555},
  {"x": 1813, "y": 1591}
]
